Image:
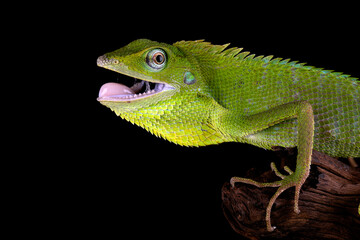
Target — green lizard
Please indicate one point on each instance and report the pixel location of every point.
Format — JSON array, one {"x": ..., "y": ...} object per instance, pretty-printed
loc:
[{"x": 194, "y": 93}]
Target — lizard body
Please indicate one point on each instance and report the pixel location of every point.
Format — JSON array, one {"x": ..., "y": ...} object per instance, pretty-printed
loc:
[{"x": 194, "y": 93}]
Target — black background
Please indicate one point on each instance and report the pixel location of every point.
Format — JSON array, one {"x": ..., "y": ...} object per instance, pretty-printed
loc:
[{"x": 115, "y": 179}]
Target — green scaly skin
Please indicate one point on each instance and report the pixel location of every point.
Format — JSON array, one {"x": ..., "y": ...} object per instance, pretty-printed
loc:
[{"x": 206, "y": 94}]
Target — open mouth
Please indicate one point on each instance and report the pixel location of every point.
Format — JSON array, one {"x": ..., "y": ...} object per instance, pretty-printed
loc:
[{"x": 132, "y": 90}]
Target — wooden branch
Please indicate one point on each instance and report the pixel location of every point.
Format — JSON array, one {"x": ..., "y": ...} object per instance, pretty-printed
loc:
[{"x": 328, "y": 203}]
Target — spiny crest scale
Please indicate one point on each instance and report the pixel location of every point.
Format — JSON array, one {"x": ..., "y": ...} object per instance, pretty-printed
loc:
[
  {"x": 235, "y": 53},
  {"x": 202, "y": 47}
]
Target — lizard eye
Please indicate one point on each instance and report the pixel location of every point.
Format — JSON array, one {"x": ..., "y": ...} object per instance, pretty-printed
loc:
[{"x": 156, "y": 59}]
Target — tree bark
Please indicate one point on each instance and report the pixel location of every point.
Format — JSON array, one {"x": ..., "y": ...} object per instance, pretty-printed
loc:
[{"x": 329, "y": 202}]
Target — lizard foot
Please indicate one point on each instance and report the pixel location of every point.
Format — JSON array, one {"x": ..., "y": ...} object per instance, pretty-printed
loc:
[{"x": 292, "y": 180}]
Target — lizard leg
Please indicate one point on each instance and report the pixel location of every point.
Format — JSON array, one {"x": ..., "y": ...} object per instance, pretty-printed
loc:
[{"x": 303, "y": 111}]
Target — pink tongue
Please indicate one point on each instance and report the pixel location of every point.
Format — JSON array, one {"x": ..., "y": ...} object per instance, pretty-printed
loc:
[{"x": 111, "y": 89}]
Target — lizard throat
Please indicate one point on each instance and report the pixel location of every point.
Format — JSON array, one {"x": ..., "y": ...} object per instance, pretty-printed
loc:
[{"x": 116, "y": 92}]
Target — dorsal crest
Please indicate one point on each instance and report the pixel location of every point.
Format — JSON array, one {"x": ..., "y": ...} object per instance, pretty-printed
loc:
[
  {"x": 222, "y": 54},
  {"x": 202, "y": 47}
]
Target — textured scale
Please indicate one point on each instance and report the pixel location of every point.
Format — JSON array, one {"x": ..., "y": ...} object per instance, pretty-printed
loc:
[
  {"x": 249, "y": 85},
  {"x": 208, "y": 94}
]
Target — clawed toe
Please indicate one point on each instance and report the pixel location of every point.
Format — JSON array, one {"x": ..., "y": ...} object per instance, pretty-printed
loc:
[{"x": 278, "y": 173}]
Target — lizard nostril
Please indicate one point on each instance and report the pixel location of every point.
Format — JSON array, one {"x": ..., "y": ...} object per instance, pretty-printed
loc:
[{"x": 103, "y": 60}]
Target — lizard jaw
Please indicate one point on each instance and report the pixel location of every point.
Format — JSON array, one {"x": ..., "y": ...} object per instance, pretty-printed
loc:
[
  {"x": 141, "y": 88},
  {"x": 116, "y": 92}
]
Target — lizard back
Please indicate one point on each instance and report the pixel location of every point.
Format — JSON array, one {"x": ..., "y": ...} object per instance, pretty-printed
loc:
[{"x": 248, "y": 85}]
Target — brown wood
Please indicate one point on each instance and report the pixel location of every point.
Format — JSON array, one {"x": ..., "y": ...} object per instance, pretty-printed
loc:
[{"x": 328, "y": 203}]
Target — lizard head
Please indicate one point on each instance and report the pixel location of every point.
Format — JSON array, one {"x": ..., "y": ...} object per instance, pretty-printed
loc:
[
  {"x": 158, "y": 70},
  {"x": 166, "y": 94}
]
